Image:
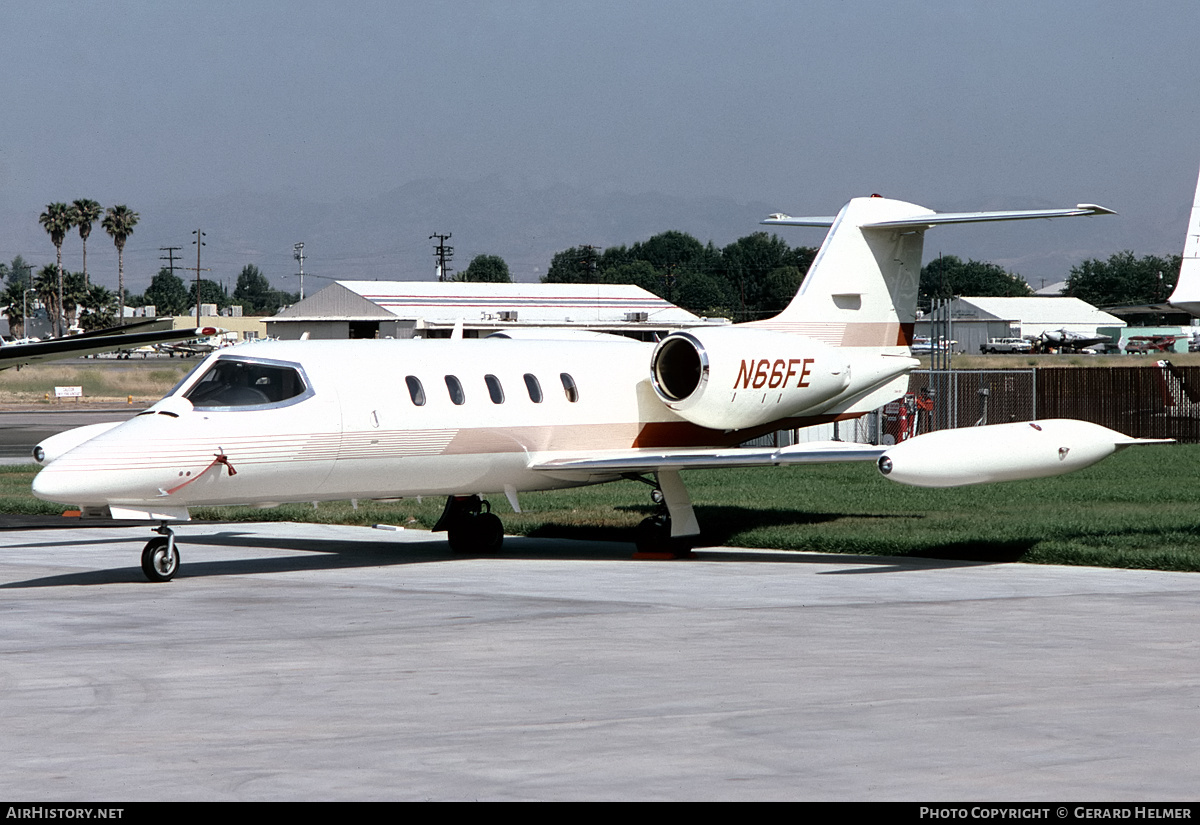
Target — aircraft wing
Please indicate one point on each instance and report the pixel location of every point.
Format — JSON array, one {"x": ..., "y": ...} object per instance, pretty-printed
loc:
[
  {"x": 646, "y": 461},
  {"x": 16, "y": 355}
]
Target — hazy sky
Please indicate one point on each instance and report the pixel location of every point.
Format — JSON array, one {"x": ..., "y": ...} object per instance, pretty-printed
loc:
[{"x": 953, "y": 105}]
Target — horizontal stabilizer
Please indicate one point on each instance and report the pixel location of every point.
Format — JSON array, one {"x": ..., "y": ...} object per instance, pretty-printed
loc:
[
  {"x": 930, "y": 219},
  {"x": 780, "y": 219}
]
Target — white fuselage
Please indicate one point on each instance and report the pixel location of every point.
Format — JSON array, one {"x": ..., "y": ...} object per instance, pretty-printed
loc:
[{"x": 357, "y": 433}]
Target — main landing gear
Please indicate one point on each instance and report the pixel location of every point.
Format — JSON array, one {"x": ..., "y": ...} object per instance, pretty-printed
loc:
[
  {"x": 672, "y": 531},
  {"x": 160, "y": 556},
  {"x": 472, "y": 526}
]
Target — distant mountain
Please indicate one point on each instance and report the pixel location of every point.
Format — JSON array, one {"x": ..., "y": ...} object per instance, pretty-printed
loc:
[{"x": 387, "y": 236}]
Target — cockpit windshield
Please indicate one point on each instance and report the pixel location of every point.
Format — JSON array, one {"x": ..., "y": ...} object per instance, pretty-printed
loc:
[{"x": 232, "y": 382}]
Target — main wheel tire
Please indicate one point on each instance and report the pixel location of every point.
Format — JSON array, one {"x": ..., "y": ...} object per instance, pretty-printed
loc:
[
  {"x": 489, "y": 532},
  {"x": 653, "y": 537},
  {"x": 160, "y": 559},
  {"x": 478, "y": 534}
]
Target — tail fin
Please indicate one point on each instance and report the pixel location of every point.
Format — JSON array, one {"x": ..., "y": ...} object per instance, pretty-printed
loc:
[
  {"x": 1186, "y": 295},
  {"x": 861, "y": 290}
]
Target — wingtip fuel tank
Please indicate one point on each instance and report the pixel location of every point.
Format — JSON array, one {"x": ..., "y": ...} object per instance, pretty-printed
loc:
[{"x": 1002, "y": 452}]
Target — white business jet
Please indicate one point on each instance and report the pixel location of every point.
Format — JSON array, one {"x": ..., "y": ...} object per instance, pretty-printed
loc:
[{"x": 334, "y": 420}]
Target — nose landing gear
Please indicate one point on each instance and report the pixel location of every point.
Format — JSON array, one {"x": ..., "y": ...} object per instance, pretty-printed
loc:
[{"x": 160, "y": 556}]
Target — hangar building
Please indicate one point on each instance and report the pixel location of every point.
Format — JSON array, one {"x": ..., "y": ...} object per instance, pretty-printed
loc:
[
  {"x": 431, "y": 309},
  {"x": 975, "y": 320}
]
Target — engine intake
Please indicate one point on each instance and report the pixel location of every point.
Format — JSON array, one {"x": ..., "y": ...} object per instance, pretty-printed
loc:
[
  {"x": 735, "y": 378},
  {"x": 679, "y": 366}
]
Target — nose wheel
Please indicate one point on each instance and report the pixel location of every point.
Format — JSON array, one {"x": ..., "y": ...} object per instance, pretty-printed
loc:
[{"x": 160, "y": 557}]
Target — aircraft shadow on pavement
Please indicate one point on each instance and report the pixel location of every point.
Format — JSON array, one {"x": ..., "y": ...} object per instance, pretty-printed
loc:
[
  {"x": 722, "y": 523},
  {"x": 572, "y": 544}
]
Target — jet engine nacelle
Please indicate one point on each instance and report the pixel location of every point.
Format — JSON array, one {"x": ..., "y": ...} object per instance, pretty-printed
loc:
[
  {"x": 734, "y": 378},
  {"x": 1000, "y": 452}
]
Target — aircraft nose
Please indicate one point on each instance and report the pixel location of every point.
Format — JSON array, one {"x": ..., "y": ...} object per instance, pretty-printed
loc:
[
  {"x": 55, "y": 484},
  {"x": 49, "y": 486}
]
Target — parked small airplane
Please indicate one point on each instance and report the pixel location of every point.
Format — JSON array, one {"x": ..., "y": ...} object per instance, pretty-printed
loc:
[
  {"x": 199, "y": 346},
  {"x": 1065, "y": 339},
  {"x": 314, "y": 420}
]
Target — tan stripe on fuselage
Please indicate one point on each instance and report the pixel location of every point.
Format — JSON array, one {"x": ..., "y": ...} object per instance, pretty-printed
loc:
[{"x": 881, "y": 334}]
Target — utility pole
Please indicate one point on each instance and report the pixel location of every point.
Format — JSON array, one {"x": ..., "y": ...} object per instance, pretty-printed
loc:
[
  {"x": 199, "y": 242},
  {"x": 443, "y": 254},
  {"x": 588, "y": 260},
  {"x": 298, "y": 254},
  {"x": 170, "y": 256}
]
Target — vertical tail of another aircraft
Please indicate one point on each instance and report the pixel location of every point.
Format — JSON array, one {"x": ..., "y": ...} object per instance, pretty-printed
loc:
[{"x": 1186, "y": 295}]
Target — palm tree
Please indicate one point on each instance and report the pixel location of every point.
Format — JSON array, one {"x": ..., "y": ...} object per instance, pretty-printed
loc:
[
  {"x": 74, "y": 296},
  {"x": 98, "y": 308},
  {"x": 119, "y": 222},
  {"x": 58, "y": 220},
  {"x": 48, "y": 286},
  {"x": 14, "y": 296},
  {"x": 86, "y": 212}
]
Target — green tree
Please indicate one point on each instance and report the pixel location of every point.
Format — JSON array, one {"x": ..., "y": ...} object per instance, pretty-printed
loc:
[
  {"x": 778, "y": 289},
  {"x": 47, "y": 285},
  {"x": 118, "y": 223},
  {"x": 756, "y": 267},
  {"x": 57, "y": 221},
  {"x": 638, "y": 273},
  {"x": 14, "y": 299},
  {"x": 18, "y": 269},
  {"x": 74, "y": 295},
  {"x": 702, "y": 293},
  {"x": 486, "y": 269},
  {"x": 84, "y": 213},
  {"x": 947, "y": 276},
  {"x": 751, "y": 278},
  {"x": 254, "y": 293},
  {"x": 1123, "y": 279},
  {"x": 167, "y": 293},
  {"x": 577, "y": 265},
  {"x": 211, "y": 292},
  {"x": 99, "y": 309}
]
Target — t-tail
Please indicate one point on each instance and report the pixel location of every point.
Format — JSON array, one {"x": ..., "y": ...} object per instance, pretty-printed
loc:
[{"x": 842, "y": 346}]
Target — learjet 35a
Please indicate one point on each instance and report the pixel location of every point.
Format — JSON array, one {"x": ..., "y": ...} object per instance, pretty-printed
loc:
[{"x": 303, "y": 421}]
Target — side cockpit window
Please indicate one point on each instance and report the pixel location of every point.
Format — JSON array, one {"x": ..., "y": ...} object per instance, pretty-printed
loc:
[{"x": 237, "y": 383}]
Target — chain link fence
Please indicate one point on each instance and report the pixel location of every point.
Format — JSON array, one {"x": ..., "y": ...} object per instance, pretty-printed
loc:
[{"x": 1160, "y": 401}]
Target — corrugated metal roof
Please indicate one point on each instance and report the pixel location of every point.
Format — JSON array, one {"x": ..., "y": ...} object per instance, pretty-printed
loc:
[
  {"x": 1056, "y": 311},
  {"x": 446, "y": 302}
]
